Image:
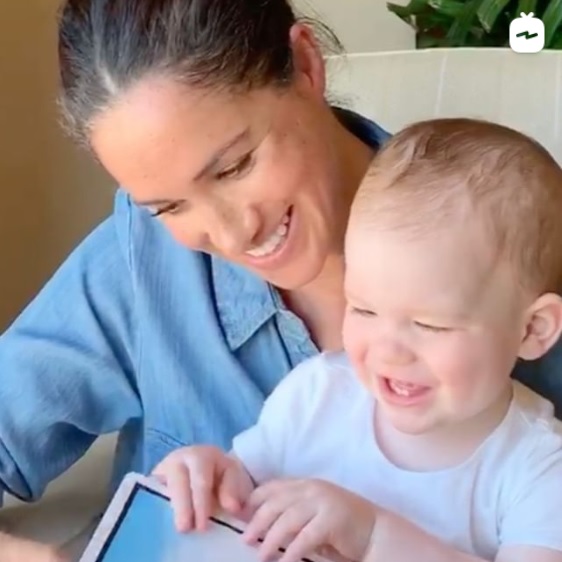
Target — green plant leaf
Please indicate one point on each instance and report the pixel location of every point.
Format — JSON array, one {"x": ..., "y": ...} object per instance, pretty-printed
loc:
[
  {"x": 461, "y": 26},
  {"x": 525, "y": 6},
  {"x": 428, "y": 42},
  {"x": 552, "y": 18},
  {"x": 489, "y": 11},
  {"x": 400, "y": 11},
  {"x": 457, "y": 23},
  {"x": 452, "y": 8},
  {"x": 556, "y": 41},
  {"x": 413, "y": 8},
  {"x": 417, "y": 6}
]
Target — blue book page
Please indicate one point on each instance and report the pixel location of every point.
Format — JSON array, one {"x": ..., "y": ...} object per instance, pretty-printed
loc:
[{"x": 145, "y": 532}]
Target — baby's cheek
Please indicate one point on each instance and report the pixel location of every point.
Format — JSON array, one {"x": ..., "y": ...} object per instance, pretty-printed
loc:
[
  {"x": 354, "y": 340},
  {"x": 455, "y": 364},
  {"x": 358, "y": 354},
  {"x": 366, "y": 379}
]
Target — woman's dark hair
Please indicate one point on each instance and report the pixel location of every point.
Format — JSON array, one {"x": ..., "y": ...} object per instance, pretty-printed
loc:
[{"x": 105, "y": 46}]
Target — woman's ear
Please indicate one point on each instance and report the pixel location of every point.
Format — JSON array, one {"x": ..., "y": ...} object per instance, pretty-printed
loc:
[
  {"x": 543, "y": 326},
  {"x": 308, "y": 61}
]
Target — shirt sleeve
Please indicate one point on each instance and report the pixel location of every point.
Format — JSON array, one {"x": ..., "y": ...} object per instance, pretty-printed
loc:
[
  {"x": 534, "y": 514},
  {"x": 66, "y": 367}
]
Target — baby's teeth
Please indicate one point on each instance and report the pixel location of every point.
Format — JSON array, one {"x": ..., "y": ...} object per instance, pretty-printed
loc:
[
  {"x": 404, "y": 388},
  {"x": 399, "y": 390}
]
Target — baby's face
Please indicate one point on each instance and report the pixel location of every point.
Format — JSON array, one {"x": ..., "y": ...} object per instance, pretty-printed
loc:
[{"x": 433, "y": 324}]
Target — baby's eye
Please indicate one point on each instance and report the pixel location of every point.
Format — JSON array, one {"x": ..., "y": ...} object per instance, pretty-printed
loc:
[
  {"x": 362, "y": 312},
  {"x": 431, "y": 328},
  {"x": 236, "y": 169},
  {"x": 169, "y": 209}
]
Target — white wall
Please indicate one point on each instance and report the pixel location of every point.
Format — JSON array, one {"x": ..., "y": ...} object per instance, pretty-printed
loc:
[
  {"x": 362, "y": 25},
  {"x": 493, "y": 84}
]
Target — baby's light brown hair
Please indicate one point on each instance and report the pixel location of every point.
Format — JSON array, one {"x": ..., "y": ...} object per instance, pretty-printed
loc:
[{"x": 453, "y": 169}]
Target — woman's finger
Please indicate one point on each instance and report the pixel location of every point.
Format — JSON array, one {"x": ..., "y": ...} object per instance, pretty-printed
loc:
[{"x": 16, "y": 548}]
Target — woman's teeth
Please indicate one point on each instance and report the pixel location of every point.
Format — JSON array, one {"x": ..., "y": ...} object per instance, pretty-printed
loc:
[{"x": 273, "y": 242}]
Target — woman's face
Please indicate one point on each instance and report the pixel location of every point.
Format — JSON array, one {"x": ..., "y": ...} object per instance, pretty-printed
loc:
[{"x": 254, "y": 178}]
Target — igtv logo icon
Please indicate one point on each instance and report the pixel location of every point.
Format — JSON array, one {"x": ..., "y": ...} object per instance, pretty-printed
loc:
[{"x": 526, "y": 34}]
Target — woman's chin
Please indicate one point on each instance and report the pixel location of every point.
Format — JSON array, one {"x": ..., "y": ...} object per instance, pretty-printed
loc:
[{"x": 291, "y": 279}]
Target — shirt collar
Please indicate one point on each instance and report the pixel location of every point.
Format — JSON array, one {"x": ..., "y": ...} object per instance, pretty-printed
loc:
[
  {"x": 364, "y": 129},
  {"x": 244, "y": 301}
]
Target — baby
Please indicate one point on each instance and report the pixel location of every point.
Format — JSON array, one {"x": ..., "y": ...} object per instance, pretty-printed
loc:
[{"x": 415, "y": 443}]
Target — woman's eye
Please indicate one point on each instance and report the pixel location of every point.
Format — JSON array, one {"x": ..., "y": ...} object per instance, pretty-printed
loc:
[
  {"x": 236, "y": 169},
  {"x": 169, "y": 209}
]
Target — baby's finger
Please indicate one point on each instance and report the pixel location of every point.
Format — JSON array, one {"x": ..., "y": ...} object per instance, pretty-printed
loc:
[
  {"x": 179, "y": 487},
  {"x": 329, "y": 552},
  {"x": 202, "y": 474},
  {"x": 234, "y": 489},
  {"x": 283, "y": 531},
  {"x": 261, "y": 521},
  {"x": 264, "y": 517},
  {"x": 309, "y": 538},
  {"x": 272, "y": 489}
]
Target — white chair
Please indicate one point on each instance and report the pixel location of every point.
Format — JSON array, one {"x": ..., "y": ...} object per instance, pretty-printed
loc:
[{"x": 523, "y": 91}]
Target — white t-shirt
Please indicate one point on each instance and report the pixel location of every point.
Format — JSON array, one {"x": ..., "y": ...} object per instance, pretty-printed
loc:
[{"x": 318, "y": 423}]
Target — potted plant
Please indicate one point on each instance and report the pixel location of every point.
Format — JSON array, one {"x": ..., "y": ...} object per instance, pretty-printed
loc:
[{"x": 476, "y": 23}]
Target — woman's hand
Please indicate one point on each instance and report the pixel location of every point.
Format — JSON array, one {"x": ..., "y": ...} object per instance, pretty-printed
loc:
[
  {"x": 306, "y": 516},
  {"x": 200, "y": 479},
  {"x": 14, "y": 549}
]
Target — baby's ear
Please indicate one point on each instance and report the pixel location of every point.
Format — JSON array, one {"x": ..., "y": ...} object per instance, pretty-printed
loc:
[{"x": 543, "y": 326}]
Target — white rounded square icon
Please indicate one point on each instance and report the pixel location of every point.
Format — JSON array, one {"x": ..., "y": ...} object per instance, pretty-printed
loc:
[{"x": 526, "y": 34}]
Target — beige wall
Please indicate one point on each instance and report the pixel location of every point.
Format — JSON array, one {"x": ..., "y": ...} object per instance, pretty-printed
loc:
[
  {"x": 362, "y": 25},
  {"x": 50, "y": 195}
]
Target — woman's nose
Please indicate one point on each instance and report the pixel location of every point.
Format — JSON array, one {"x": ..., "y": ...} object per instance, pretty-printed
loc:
[
  {"x": 228, "y": 238},
  {"x": 230, "y": 231}
]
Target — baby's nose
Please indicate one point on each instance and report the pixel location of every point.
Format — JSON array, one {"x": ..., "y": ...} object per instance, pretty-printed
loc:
[{"x": 394, "y": 353}]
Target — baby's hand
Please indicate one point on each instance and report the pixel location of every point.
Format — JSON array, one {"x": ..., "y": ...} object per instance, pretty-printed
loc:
[
  {"x": 200, "y": 479},
  {"x": 307, "y": 516}
]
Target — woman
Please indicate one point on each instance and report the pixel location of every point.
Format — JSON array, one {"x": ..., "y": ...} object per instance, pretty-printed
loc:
[{"x": 221, "y": 266}]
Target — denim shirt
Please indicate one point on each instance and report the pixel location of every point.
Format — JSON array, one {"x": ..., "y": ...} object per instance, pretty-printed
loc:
[{"x": 137, "y": 334}]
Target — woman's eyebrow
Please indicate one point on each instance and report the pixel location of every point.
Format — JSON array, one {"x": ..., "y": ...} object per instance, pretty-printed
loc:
[{"x": 213, "y": 161}]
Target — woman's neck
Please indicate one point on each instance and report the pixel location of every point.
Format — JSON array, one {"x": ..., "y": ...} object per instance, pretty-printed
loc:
[
  {"x": 321, "y": 305},
  {"x": 354, "y": 158}
]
